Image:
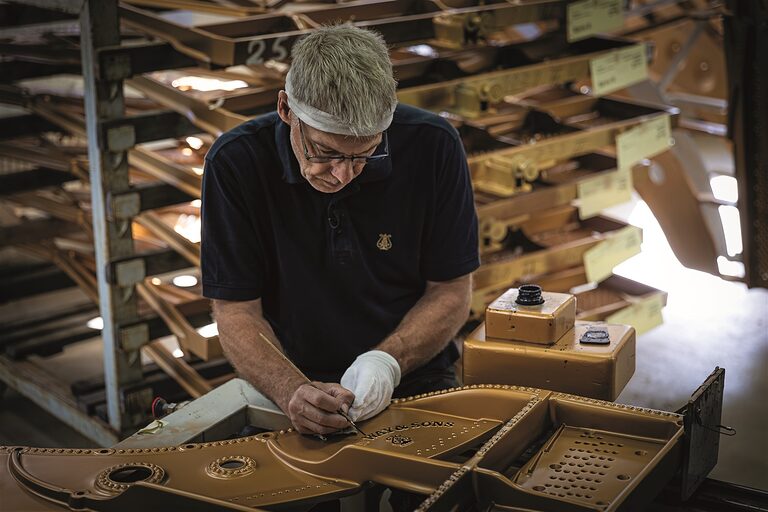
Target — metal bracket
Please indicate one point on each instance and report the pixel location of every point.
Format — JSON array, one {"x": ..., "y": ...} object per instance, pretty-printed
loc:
[
  {"x": 121, "y": 138},
  {"x": 702, "y": 432},
  {"x": 595, "y": 336},
  {"x": 124, "y": 206},
  {"x": 115, "y": 66},
  {"x": 134, "y": 337},
  {"x": 130, "y": 272}
]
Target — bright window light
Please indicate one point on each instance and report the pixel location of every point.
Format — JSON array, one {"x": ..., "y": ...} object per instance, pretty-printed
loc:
[
  {"x": 196, "y": 203},
  {"x": 177, "y": 353},
  {"x": 184, "y": 281},
  {"x": 95, "y": 323},
  {"x": 730, "y": 268},
  {"x": 729, "y": 216},
  {"x": 724, "y": 188},
  {"x": 202, "y": 84}
]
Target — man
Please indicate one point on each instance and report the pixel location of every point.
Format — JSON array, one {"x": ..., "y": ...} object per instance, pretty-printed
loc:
[{"x": 342, "y": 229}]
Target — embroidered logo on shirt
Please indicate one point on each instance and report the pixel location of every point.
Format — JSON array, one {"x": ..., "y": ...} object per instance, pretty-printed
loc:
[{"x": 385, "y": 242}]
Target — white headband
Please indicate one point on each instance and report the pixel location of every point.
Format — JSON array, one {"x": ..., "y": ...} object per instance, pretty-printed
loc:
[{"x": 324, "y": 121}]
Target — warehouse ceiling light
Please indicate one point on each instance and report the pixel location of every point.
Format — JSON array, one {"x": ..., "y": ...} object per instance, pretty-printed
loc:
[
  {"x": 423, "y": 50},
  {"x": 95, "y": 323},
  {"x": 184, "y": 281},
  {"x": 194, "y": 142},
  {"x": 188, "y": 226},
  {"x": 209, "y": 330},
  {"x": 199, "y": 83}
]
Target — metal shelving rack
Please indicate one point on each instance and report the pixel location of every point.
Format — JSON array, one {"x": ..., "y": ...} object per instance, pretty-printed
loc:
[
  {"x": 115, "y": 202},
  {"x": 106, "y": 59},
  {"x": 108, "y": 162}
]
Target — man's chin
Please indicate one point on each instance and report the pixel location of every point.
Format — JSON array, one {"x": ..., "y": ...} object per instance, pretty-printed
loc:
[{"x": 324, "y": 186}]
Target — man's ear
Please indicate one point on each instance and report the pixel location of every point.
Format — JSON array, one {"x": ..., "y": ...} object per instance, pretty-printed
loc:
[{"x": 283, "y": 110}]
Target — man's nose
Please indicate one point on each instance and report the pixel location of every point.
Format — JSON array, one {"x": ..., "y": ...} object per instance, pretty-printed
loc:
[{"x": 343, "y": 170}]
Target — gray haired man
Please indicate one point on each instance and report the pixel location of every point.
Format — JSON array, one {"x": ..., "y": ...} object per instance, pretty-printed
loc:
[{"x": 342, "y": 228}]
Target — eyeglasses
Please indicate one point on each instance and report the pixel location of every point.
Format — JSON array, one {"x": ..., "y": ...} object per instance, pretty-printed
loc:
[{"x": 356, "y": 159}]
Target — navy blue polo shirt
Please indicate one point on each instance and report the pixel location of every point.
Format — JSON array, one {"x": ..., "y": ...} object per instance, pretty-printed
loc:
[{"x": 336, "y": 272}]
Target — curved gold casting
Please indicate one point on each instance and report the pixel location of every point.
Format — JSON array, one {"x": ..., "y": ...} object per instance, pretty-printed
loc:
[{"x": 452, "y": 446}]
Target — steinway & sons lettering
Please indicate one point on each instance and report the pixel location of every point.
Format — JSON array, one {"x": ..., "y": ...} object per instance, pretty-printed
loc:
[{"x": 413, "y": 425}]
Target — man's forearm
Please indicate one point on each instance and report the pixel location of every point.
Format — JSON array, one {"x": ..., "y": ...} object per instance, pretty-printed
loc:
[
  {"x": 239, "y": 329},
  {"x": 430, "y": 324}
]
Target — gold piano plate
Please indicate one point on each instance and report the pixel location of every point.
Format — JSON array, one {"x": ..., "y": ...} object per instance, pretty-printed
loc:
[{"x": 479, "y": 438}]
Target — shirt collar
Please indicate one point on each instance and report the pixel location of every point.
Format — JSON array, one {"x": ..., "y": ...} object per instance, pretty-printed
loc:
[{"x": 374, "y": 171}]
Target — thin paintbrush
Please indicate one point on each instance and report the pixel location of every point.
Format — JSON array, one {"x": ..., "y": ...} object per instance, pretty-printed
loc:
[{"x": 296, "y": 369}]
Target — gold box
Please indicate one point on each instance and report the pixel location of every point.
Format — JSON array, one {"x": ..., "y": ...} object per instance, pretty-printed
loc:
[
  {"x": 569, "y": 366},
  {"x": 542, "y": 324}
]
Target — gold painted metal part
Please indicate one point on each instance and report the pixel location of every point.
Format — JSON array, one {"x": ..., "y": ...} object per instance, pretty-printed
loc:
[
  {"x": 150, "y": 162},
  {"x": 466, "y": 96},
  {"x": 208, "y": 117},
  {"x": 157, "y": 226},
  {"x": 556, "y": 187},
  {"x": 189, "y": 339},
  {"x": 562, "y": 242},
  {"x": 213, "y": 7},
  {"x": 234, "y": 43},
  {"x": 459, "y": 30},
  {"x": 506, "y": 172},
  {"x": 586, "y": 461},
  {"x": 466, "y": 444},
  {"x": 569, "y": 365},
  {"x": 542, "y": 324}
]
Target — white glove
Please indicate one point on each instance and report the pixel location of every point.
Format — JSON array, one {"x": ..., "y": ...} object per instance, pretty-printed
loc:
[{"x": 372, "y": 377}]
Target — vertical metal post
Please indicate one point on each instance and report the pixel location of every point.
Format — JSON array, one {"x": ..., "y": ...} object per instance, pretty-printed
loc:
[
  {"x": 745, "y": 40},
  {"x": 99, "y": 26}
]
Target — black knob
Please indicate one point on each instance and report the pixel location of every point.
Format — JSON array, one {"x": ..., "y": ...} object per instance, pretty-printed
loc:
[{"x": 529, "y": 295}]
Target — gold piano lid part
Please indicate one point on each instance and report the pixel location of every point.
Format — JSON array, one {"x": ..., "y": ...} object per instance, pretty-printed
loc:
[
  {"x": 544, "y": 321},
  {"x": 487, "y": 443}
]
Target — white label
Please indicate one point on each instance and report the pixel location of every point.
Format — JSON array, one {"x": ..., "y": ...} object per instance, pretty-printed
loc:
[
  {"x": 643, "y": 141},
  {"x": 622, "y": 244},
  {"x": 589, "y": 17},
  {"x": 618, "y": 69}
]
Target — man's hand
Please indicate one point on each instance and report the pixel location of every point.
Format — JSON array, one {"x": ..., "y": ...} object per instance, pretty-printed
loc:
[
  {"x": 313, "y": 408},
  {"x": 372, "y": 377}
]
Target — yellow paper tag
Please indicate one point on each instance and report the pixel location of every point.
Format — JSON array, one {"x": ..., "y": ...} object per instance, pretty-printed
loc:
[
  {"x": 618, "y": 69},
  {"x": 620, "y": 245},
  {"x": 643, "y": 315},
  {"x": 600, "y": 192},
  {"x": 589, "y": 17},
  {"x": 643, "y": 141}
]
